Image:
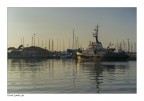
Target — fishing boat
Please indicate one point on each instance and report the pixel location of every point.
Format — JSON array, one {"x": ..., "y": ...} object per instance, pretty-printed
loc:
[{"x": 97, "y": 52}]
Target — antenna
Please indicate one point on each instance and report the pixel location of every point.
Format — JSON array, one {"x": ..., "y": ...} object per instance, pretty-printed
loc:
[{"x": 96, "y": 34}]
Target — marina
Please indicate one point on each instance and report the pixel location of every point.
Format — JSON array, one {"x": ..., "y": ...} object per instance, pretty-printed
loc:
[
  {"x": 96, "y": 69},
  {"x": 95, "y": 51},
  {"x": 72, "y": 50}
]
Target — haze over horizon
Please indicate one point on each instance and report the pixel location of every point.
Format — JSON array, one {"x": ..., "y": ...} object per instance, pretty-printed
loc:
[{"x": 57, "y": 24}]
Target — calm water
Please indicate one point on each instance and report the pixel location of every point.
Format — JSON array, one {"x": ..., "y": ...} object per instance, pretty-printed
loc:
[{"x": 70, "y": 76}]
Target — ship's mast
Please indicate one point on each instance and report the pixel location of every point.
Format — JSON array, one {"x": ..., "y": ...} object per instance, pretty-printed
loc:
[{"x": 96, "y": 34}]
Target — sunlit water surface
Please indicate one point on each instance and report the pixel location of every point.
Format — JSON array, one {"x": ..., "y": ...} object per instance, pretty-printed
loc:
[{"x": 54, "y": 76}]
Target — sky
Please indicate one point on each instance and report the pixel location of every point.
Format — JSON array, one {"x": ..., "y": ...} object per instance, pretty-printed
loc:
[{"x": 57, "y": 24}]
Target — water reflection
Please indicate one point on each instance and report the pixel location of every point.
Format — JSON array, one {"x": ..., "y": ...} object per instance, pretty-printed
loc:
[
  {"x": 100, "y": 71},
  {"x": 69, "y": 76}
]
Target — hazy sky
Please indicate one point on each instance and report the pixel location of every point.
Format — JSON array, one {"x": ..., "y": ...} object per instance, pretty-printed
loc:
[{"x": 116, "y": 24}]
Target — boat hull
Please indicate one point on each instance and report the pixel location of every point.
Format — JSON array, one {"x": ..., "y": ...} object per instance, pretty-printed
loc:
[{"x": 99, "y": 58}]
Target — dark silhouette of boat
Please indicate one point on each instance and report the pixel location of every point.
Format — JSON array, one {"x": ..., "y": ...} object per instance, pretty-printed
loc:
[{"x": 97, "y": 52}]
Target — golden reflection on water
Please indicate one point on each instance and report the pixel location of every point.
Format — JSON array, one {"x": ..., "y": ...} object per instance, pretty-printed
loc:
[{"x": 70, "y": 76}]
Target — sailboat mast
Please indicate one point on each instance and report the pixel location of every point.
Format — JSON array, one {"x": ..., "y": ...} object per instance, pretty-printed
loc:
[
  {"x": 38, "y": 41},
  {"x": 49, "y": 44},
  {"x": 52, "y": 45},
  {"x": 73, "y": 38},
  {"x": 131, "y": 47},
  {"x": 42, "y": 43},
  {"x": 57, "y": 44},
  {"x": 128, "y": 46},
  {"x": 23, "y": 41},
  {"x": 134, "y": 47},
  {"x": 32, "y": 40}
]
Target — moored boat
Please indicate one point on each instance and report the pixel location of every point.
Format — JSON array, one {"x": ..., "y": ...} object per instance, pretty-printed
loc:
[{"x": 97, "y": 52}]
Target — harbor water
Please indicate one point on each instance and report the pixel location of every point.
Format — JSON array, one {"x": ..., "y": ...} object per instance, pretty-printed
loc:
[{"x": 69, "y": 76}]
